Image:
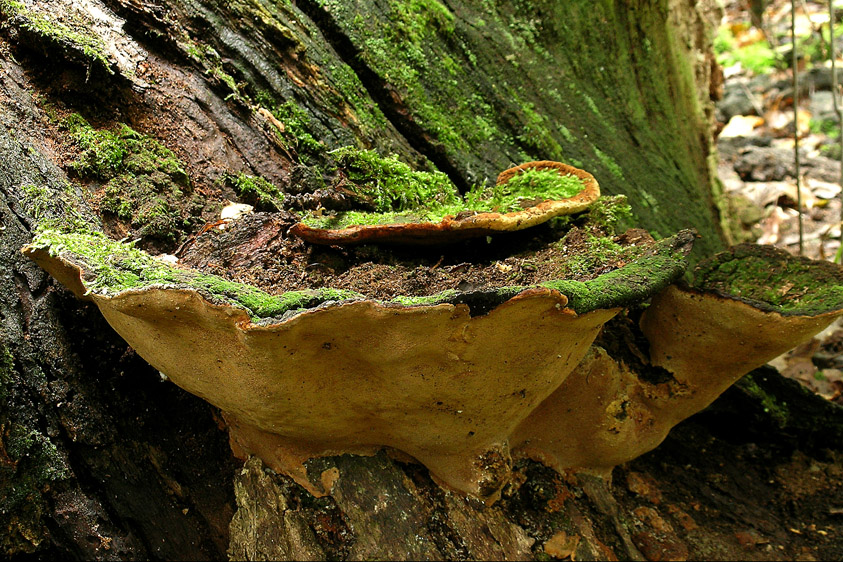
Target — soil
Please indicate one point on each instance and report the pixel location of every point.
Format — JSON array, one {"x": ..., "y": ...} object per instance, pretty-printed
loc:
[{"x": 256, "y": 249}]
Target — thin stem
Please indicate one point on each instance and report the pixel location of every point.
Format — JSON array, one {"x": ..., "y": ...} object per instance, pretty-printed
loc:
[
  {"x": 796, "y": 120},
  {"x": 835, "y": 93}
]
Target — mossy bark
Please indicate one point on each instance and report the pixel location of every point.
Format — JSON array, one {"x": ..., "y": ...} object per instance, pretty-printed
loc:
[
  {"x": 101, "y": 459},
  {"x": 471, "y": 88}
]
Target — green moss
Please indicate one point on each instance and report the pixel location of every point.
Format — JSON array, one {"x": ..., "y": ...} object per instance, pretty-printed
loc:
[
  {"x": 438, "y": 298},
  {"x": 56, "y": 209},
  {"x": 529, "y": 185},
  {"x": 256, "y": 191},
  {"x": 610, "y": 163},
  {"x": 610, "y": 213},
  {"x": 71, "y": 32},
  {"x": 145, "y": 184},
  {"x": 633, "y": 283},
  {"x": 296, "y": 125},
  {"x": 776, "y": 409},
  {"x": 397, "y": 194},
  {"x": 111, "y": 267},
  {"x": 352, "y": 91},
  {"x": 773, "y": 280},
  {"x": 385, "y": 184},
  {"x": 405, "y": 53},
  {"x": 599, "y": 250},
  {"x": 102, "y": 151}
]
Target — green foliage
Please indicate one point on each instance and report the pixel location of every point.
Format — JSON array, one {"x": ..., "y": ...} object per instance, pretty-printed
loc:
[
  {"x": 256, "y": 191},
  {"x": 758, "y": 57},
  {"x": 827, "y": 127}
]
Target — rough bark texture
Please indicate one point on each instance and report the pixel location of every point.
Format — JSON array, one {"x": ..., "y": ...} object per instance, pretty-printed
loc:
[{"x": 102, "y": 459}]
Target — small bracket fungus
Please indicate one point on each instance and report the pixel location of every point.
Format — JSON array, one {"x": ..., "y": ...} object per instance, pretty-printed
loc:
[
  {"x": 748, "y": 305},
  {"x": 437, "y": 381},
  {"x": 532, "y": 184}
]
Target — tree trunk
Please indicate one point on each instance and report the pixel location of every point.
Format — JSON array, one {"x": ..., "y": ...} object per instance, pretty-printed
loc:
[{"x": 101, "y": 458}]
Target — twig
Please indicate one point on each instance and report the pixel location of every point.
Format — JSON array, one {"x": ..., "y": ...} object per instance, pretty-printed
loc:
[
  {"x": 796, "y": 119},
  {"x": 759, "y": 110},
  {"x": 835, "y": 93}
]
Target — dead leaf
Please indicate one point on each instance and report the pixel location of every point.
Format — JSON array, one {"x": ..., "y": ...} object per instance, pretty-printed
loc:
[
  {"x": 741, "y": 126},
  {"x": 561, "y": 546},
  {"x": 644, "y": 486}
]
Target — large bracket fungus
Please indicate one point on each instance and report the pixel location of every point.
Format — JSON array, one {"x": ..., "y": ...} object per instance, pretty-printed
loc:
[
  {"x": 485, "y": 216},
  {"x": 746, "y": 306},
  {"x": 353, "y": 374}
]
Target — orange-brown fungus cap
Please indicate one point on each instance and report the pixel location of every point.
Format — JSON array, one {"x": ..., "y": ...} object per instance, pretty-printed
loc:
[{"x": 467, "y": 224}]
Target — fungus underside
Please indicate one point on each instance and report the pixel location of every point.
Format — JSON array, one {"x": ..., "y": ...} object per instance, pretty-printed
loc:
[
  {"x": 773, "y": 280},
  {"x": 110, "y": 267}
]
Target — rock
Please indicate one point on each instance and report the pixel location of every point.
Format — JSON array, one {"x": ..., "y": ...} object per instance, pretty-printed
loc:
[
  {"x": 769, "y": 163},
  {"x": 736, "y": 101},
  {"x": 822, "y": 106}
]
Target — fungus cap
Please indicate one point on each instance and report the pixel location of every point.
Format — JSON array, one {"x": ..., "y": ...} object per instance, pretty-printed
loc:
[
  {"x": 445, "y": 382},
  {"x": 466, "y": 224},
  {"x": 738, "y": 316}
]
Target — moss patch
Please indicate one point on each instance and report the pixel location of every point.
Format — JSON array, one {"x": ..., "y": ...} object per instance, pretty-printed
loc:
[
  {"x": 773, "y": 280},
  {"x": 256, "y": 191},
  {"x": 111, "y": 267},
  {"x": 72, "y": 34},
  {"x": 144, "y": 184},
  {"x": 296, "y": 131}
]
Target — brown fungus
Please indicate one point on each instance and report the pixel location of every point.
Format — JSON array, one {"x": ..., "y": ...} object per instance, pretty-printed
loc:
[
  {"x": 466, "y": 224},
  {"x": 442, "y": 382},
  {"x": 739, "y": 315}
]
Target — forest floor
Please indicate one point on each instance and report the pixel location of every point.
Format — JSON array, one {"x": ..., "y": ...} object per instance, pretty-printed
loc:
[{"x": 756, "y": 143}]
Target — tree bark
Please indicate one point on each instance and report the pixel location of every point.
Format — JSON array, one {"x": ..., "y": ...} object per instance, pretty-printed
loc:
[{"x": 100, "y": 458}]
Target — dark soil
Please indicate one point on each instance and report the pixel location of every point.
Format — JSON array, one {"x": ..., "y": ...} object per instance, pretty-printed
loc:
[{"x": 256, "y": 250}]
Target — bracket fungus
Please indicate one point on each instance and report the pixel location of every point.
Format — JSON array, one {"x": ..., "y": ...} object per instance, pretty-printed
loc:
[
  {"x": 331, "y": 372},
  {"x": 522, "y": 186},
  {"x": 746, "y": 306}
]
